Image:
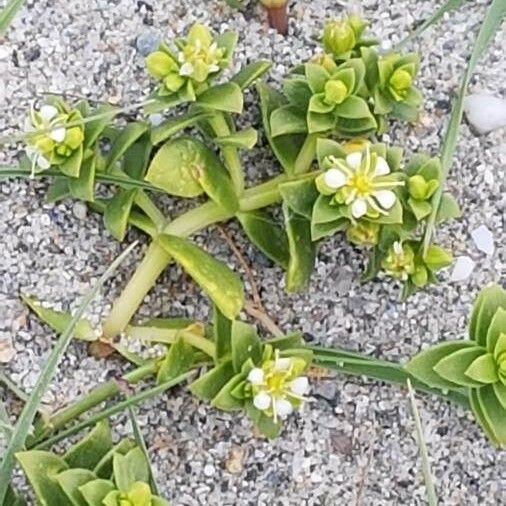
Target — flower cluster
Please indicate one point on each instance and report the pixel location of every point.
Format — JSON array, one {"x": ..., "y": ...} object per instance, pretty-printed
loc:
[
  {"x": 341, "y": 36},
  {"x": 277, "y": 386},
  {"x": 50, "y": 139},
  {"x": 198, "y": 58}
]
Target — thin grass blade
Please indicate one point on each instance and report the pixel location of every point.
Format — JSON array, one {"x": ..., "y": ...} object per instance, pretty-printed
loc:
[
  {"x": 422, "y": 447},
  {"x": 27, "y": 415},
  {"x": 8, "y": 13},
  {"x": 489, "y": 27}
]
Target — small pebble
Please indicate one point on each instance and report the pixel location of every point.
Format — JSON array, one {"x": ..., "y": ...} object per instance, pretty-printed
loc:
[
  {"x": 147, "y": 43},
  {"x": 79, "y": 210},
  {"x": 485, "y": 112},
  {"x": 483, "y": 239},
  {"x": 462, "y": 269},
  {"x": 209, "y": 470}
]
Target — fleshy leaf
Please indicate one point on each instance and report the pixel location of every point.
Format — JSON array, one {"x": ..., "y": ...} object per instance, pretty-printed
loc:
[
  {"x": 266, "y": 235},
  {"x": 130, "y": 468},
  {"x": 70, "y": 481},
  {"x": 453, "y": 367},
  {"x": 209, "y": 384},
  {"x": 286, "y": 120},
  {"x": 244, "y": 139},
  {"x": 222, "y": 331},
  {"x": 421, "y": 366},
  {"x": 117, "y": 212},
  {"x": 225, "y": 97},
  {"x": 495, "y": 330},
  {"x": 448, "y": 208},
  {"x": 174, "y": 125},
  {"x": 127, "y": 137},
  {"x": 176, "y": 361},
  {"x": 250, "y": 73},
  {"x": 245, "y": 344},
  {"x": 489, "y": 300},
  {"x": 225, "y": 400},
  {"x": 494, "y": 413},
  {"x": 220, "y": 283},
  {"x": 95, "y": 491},
  {"x": 82, "y": 187},
  {"x": 483, "y": 369},
  {"x": 300, "y": 196}
]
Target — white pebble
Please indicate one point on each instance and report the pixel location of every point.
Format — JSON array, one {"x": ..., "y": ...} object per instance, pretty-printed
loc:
[
  {"x": 485, "y": 112},
  {"x": 209, "y": 470},
  {"x": 79, "y": 210},
  {"x": 462, "y": 269},
  {"x": 483, "y": 239}
]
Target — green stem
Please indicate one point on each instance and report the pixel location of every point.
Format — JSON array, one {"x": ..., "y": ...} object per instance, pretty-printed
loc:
[
  {"x": 148, "y": 206},
  {"x": 230, "y": 153},
  {"x": 108, "y": 412},
  {"x": 306, "y": 155},
  {"x": 95, "y": 397},
  {"x": 356, "y": 364}
]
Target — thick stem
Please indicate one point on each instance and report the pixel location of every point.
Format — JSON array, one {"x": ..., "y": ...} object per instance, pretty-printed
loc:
[
  {"x": 230, "y": 154},
  {"x": 278, "y": 18},
  {"x": 148, "y": 206},
  {"x": 306, "y": 155},
  {"x": 144, "y": 278},
  {"x": 95, "y": 397}
]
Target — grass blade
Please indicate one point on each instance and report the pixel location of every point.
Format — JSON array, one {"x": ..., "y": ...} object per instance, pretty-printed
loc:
[
  {"x": 112, "y": 410},
  {"x": 8, "y": 13},
  {"x": 448, "y": 6},
  {"x": 422, "y": 447},
  {"x": 26, "y": 418},
  {"x": 142, "y": 444},
  {"x": 490, "y": 25}
]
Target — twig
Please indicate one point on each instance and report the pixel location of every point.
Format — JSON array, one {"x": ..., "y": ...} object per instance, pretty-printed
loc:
[{"x": 262, "y": 317}]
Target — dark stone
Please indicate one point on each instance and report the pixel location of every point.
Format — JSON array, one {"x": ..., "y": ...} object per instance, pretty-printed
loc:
[{"x": 32, "y": 53}]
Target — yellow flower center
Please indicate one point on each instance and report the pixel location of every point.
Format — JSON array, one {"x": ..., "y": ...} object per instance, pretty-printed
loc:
[{"x": 362, "y": 183}]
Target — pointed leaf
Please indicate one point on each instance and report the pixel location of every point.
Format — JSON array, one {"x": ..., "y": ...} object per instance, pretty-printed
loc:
[
  {"x": 221, "y": 284},
  {"x": 225, "y": 97},
  {"x": 489, "y": 300},
  {"x": 94, "y": 492},
  {"x": 71, "y": 480},
  {"x": 288, "y": 119},
  {"x": 250, "y": 73},
  {"x": 448, "y": 208},
  {"x": 301, "y": 248},
  {"x": 59, "y": 320},
  {"x": 453, "y": 366},
  {"x": 130, "y": 468},
  {"x": 117, "y": 212},
  {"x": 328, "y": 147},
  {"x": 266, "y": 235},
  {"x": 82, "y": 187},
  {"x": 224, "y": 398},
  {"x": 209, "y": 384},
  {"x": 72, "y": 164},
  {"x": 88, "y": 452},
  {"x": 244, "y": 139},
  {"x": 93, "y": 129},
  {"x": 483, "y": 369},
  {"x": 245, "y": 344},
  {"x": 496, "y": 329},
  {"x": 58, "y": 189},
  {"x": 104, "y": 468},
  {"x": 300, "y": 196},
  {"x": 316, "y": 76},
  {"x": 421, "y": 366},
  {"x": 127, "y": 137},
  {"x": 494, "y": 413},
  {"x": 177, "y": 361}
]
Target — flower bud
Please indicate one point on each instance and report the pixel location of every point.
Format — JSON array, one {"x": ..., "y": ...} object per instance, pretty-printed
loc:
[
  {"x": 159, "y": 64},
  {"x": 420, "y": 276},
  {"x": 399, "y": 261},
  {"x": 417, "y": 187},
  {"x": 326, "y": 61},
  {"x": 74, "y": 137},
  {"x": 199, "y": 36},
  {"x": 363, "y": 233},
  {"x": 339, "y": 36},
  {"x": 400, "y": 82},
  {"x": 436, "y": 257},
  {"x": 335, "y": 92}
]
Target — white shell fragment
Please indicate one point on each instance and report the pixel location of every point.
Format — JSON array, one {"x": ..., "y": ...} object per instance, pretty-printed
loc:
[
  {"x": 483, "y": 239},
  {"x": 462, "y": 269},
  {"x": 485, "y": 112}
]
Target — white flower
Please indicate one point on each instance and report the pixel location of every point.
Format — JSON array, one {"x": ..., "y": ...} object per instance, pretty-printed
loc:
[{"x": 358, "y": 181}]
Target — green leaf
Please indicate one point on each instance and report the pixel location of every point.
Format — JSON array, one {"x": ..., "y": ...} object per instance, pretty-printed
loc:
[
  {"x": 436, "y": 257},
  {"x": 245, "y": 139},
  {"x": 93, "y": 129},
  {"x": 301, "y": 248},
  {"x": 453, "y": 367},
  {"x": 29, "y": 411},
  {"x": 325, "y": 211},
  {"x": 326, "y": 148},
  {"x": 394, "y": 216},
  {"x": 225, "y": 97},
  {"x": 321, "y": 230},
  {"x": 500, "y": 393},
  {"x": 208, "y": 385},
  {"x": 286, "y": 120},
  {"x": 104, "y": 468},
  {"x": 489, "y": 300},
  {"x": 58, "y": 189},
  {"x": 250, "y": 73},
  {"x": 8, "y": 13},
  {"x": 300, "y": 196},
  {"x": 227, "y": 40},
  {"x": 500, "y": 344},
  {"x": 316, "y": 76},
  {"x": 317, "y": 123},
  {"x": 494, "y": 413},
  {"x": 130, "y": 468},
  {"x": 448, "y": 208},
  {"x": 421, "y": 366},
  {"x": 221, "y": 284},
  {"x": 265, "y": 424},
  {"x": 177, "y": 361},
  {"x": 117, "y": 212},
  {"x": 298, "y": 92},
  {"x": 71, "y": 480},
  {"x": 95, "y": 491},
  {"x": 72, "y": 165},
  {"x": 285, "y": 148},
  {"x": 266, "y": 235},
  {"x": 222, "y": 332},
  {"x": 82, "y": 187},
  {"x": 88, "y": 452},
  {"x": 127, "y": 137},
  {"x": 224, "y": 398},
  {"x": 483, "y": 369},
  {"x": 420, "y": 208},
  {"x": 354, "y": 108},
  {"x": 174, "y": 125},
  {"x": 245, "y": 345},
  {"x": 40, "y": 468},
  {"x": 59, "y": 320}
]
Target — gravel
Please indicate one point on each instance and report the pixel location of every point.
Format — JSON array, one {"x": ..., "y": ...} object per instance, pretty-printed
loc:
[{"x": 355, "y": 442}]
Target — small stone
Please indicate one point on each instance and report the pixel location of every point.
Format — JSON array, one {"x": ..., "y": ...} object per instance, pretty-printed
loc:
[
  {"x": 7, "y": 350},
  {"x": 462, "y": 269},
  {"x": 485, "y": 112},
  {"x": 79, "y": 210},
  {"x": 209, "y": 470},
  {"x": 147, "y": 42},
  {"x": 235, "y": 459},
  {"x": 327, "y": 390},
  {"x": 483, "y": 239},
  {"x": 155, "y": 119}
]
